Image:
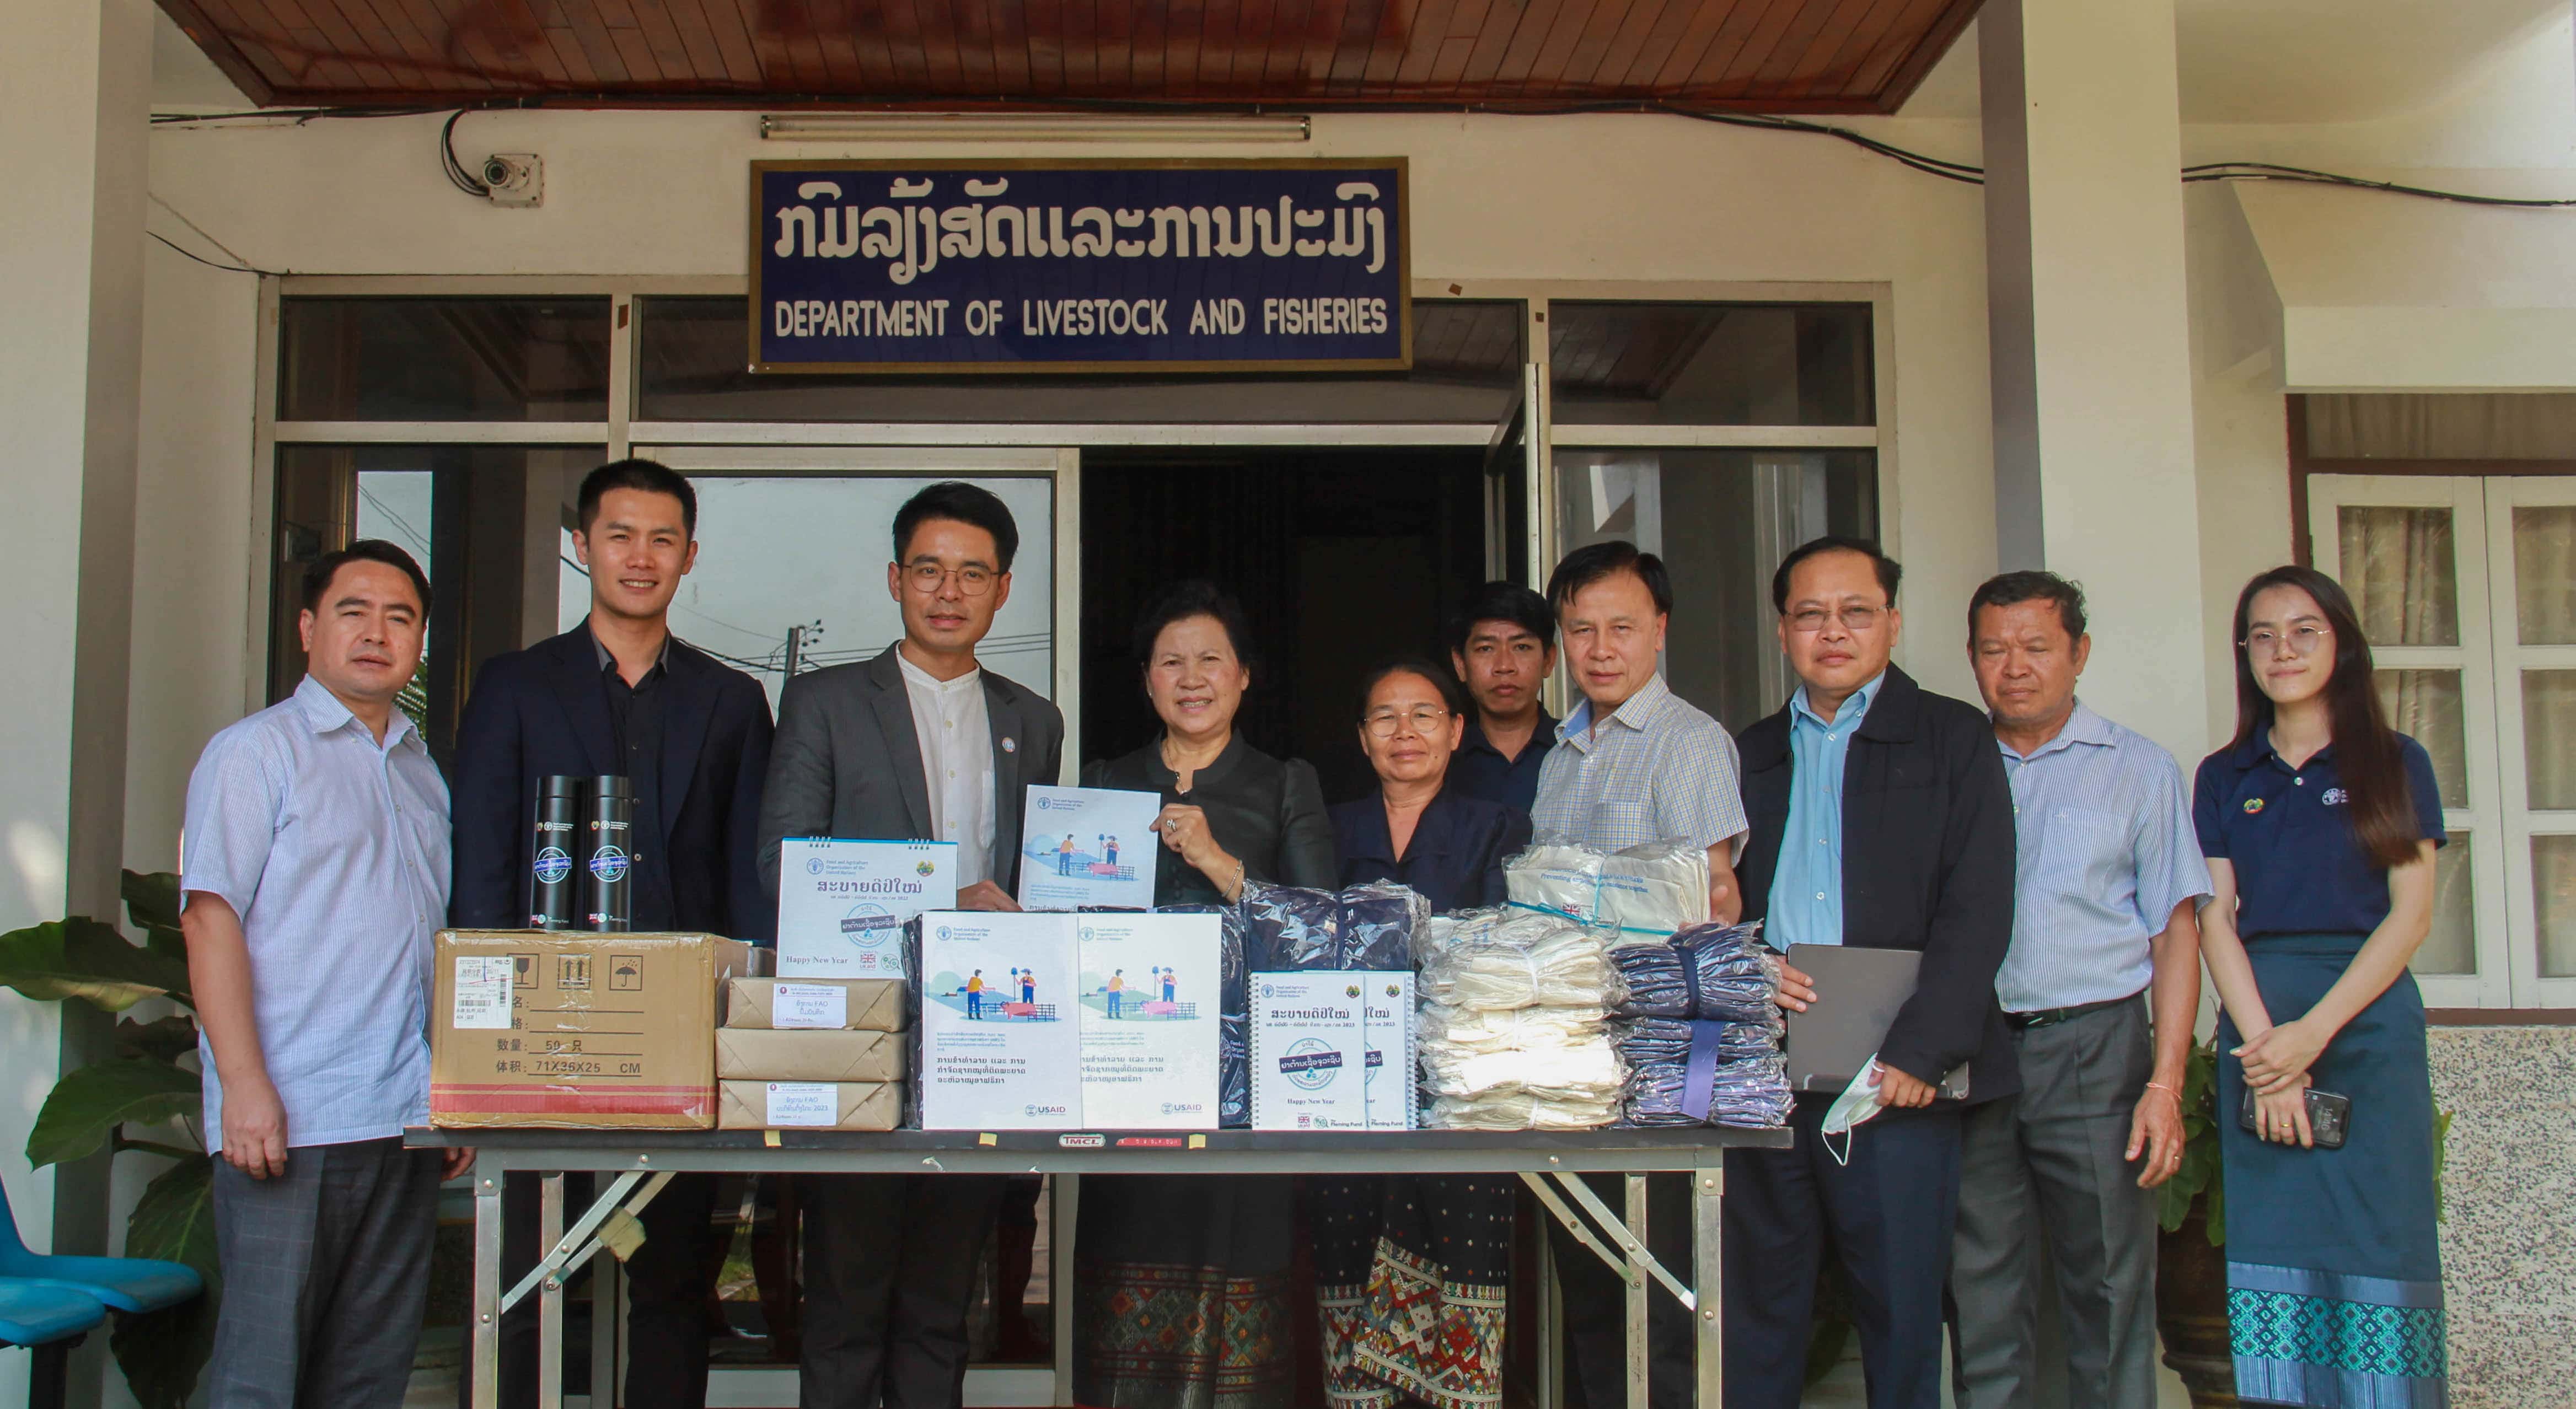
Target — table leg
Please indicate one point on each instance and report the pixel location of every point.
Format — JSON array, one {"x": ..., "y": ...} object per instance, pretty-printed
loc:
[
  {"x": 1640, "y": 1387},
  {"x": 550, "y": 1295},
  {"x": 606, "y": 1331},
  {"x": 1708, "y": 1226},
  {"x": 484, "y": 1344}
]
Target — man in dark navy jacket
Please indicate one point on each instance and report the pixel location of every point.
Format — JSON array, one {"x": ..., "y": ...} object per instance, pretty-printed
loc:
[
  {"x": 618, "y": 695},
  {"x": 1879, "y": 816}
]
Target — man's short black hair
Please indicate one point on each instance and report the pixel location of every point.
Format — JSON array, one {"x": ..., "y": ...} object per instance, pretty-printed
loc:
[
  {"x": 1504, "y": 601},
  {"x": 1187, "y": 598},
  {"x": 2011, "y": 589},
  {"x": 318, "y": 573},
  {"x": 966, "y": 504},
  {"x": 1889, "y": 570},
  {"x": 1585, "y": 566},
  {"x": 649, "y": 476}
]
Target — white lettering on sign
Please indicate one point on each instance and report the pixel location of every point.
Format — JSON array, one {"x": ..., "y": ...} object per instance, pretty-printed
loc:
[
  {"x": 1323, "y": 316},
  {"x": 809, "y": 1005},
  {"x": 916, "y": 237},
  {"x": 1091, "y": 317},
  {"x": 793, "y": 1103},
  {"x": 482, "y": 993},
  {"x": 860, "y": 318}
]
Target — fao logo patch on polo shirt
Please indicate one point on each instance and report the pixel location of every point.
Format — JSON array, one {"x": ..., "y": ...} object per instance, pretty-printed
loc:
[{"x": 2253, "y": 805}]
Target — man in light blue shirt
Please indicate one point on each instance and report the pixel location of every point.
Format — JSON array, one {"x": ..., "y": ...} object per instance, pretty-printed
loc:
[
  {"x": 314, "y": 873},
  {"x": 1807, "y": 889},
  {"x": 2106, "y": 885},
  {"x": 1633, "y": 763}
]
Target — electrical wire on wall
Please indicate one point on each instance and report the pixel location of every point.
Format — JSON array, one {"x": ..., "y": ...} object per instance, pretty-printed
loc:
[{"x": 1966, "y": 173}]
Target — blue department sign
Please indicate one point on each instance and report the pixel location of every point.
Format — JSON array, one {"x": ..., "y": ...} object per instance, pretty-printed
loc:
[{"x": 1080, "y": 266}]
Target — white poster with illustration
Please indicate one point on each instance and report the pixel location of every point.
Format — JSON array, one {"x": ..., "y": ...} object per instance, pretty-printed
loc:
[
  {"x": 1148, "y": 1000},
  {"x": 1088, "y": 847},
  {"x": 1000, "y": 1047},
  {"x": 842, "y": 904}
]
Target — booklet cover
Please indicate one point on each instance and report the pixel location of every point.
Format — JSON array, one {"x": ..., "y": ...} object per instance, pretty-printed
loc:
[
  {"x": 1386, "y": 1016},
  {"x": 1000, "y": 1048},
  {"x": 1149, "y": 1021},
  {"x": 1309, "y": 1051},
  {"x": 1088, "y": 847},
  {"x": 842, "y": 904}
]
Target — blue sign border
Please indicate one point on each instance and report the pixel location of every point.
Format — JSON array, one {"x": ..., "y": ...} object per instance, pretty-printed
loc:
[{"x": 1403, "y": 209}]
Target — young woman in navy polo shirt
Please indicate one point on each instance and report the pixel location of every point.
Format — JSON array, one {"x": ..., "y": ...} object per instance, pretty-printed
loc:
[{"x": 2320, "y": 822}]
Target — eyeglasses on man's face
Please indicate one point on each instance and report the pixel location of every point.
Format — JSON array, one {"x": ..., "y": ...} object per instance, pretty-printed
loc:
[
  {"x": 1425, "y": 719},
  {"x": 2300, "y": 640},
  {"x": 1807, "y": 621},
  {"x": 974, "y": 579}
]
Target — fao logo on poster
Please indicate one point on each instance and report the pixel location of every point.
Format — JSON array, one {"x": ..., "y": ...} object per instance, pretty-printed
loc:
[{"x": 813, "y": 865}]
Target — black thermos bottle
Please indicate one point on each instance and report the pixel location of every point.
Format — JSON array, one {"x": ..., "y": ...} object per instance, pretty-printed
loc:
[
  {"x": 608, "y": 885},
  {"x": 554, "y": 897}
]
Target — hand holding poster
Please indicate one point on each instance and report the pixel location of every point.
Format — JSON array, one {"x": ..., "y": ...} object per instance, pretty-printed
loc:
[{"x": 1088, "y": 846}]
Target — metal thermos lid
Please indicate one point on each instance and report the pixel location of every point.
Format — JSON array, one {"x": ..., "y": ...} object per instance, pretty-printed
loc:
[
  {"x": 612, "y": 785},
  {"x": 561, "y": 785}
]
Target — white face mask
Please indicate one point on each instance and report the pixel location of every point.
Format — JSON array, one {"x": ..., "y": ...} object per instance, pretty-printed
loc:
[{"x": 1855, "y": 1107}]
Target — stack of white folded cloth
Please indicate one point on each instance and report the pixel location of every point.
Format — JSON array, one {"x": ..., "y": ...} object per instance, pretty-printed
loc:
[{"x": 1514, "y": 1032}]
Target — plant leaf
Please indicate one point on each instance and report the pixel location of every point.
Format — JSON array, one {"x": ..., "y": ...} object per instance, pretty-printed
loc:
[
  {"x": 81, "y": 958},
  {"x": 163, "y": 1352},
  {"x": 151, "y": 899},
  {"x": 89, "y": 1103},
  {"x": 162, "y": 1039}
]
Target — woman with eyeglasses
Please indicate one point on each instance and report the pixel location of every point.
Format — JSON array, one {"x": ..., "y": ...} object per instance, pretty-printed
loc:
[
  {"x": 1411, "y": 1270},
  {"x": 1416, "y": 830},
  {"x": 1181, "y": 1296},
  {"x": 2320, "y": 824}
]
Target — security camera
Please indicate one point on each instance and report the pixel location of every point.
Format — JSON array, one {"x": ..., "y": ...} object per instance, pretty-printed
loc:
[{"x": 514, "y": 178}]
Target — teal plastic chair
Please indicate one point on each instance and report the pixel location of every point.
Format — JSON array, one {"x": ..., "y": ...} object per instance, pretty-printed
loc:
[
  {"x": 48, "y": 1318},
  {"x": 118, "y": 1283}
]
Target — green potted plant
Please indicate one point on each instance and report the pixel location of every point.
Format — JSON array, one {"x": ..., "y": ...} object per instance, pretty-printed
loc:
[
  {"x": 147, "y": 1082},
  {"x": 2191, "y": 1251}
]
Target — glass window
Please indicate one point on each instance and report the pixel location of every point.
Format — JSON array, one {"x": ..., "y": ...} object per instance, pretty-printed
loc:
[
  {"x": 468, "y": 513},
  {"x": 2553, "y": 885},
  {"x": 1721, "y": 520},
  {"x": 1466, "y": 369},
  {"x": 2427, "y": 706},
  {"x": 2549, "y": 738},
  {"x": 2405, "y": 582},
  {"x": 443, "y": 359},
  {"x": 2544, "y": 574},
  {"x": 2451, "y": 946},
  {"x": 1711, "y": 364},
  {"x": 793, "y": 565}
]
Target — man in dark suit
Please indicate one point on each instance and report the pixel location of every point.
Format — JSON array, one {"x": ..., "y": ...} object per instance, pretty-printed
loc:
[
  {"x": 921, "y": 744},
  {"x": 1879, "y": 816},
  {"x": 618, "y": 695}
]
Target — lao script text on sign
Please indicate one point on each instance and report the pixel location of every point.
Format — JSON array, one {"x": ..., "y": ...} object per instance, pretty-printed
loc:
[{"x": 1068, "y": 266}]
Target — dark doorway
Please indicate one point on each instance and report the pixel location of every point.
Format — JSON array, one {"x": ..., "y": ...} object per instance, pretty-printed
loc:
[{"x": 1342, "y": 559}]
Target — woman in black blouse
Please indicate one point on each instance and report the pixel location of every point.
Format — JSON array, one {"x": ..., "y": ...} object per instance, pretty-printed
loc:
[
  {"x": 1230, "y": 811},
  {"x": 1181, "y": 1283}
]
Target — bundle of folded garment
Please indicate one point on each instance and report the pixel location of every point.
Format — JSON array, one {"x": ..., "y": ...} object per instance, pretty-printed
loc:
[
  {"x": 1369, "y": 926},
  {"x": 1700, "y": 1027},
  {"x": 1514, "y": 1032},
  {"x": 1654, "y": 889}
]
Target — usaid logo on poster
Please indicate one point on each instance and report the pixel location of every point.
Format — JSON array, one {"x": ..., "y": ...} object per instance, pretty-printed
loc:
[{"x": 1080, "y": 266}]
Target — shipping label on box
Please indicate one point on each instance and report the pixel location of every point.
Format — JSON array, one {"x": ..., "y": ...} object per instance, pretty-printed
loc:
[
  {"x": 810, "y": 1105},
  {"x": 1000, "y": 1048},
  {"x": 786, "y": 1054},
  {"x": 1386, "y": 1013},
  {"x": 577, "y": 1031},
  {"x": 858, "y": 1004},
  {"x": 1309, "y": 1052},
  {"x": 842, "y": 904},
  {"x": 1148, "y": 1015}
]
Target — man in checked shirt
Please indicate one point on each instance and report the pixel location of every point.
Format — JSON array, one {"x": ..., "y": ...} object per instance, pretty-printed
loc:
[{"x": 1633, "y": 763}]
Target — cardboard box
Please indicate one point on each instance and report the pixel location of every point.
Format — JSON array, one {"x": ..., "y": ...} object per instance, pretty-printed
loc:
[
  {"x": 1147, "y": 1009},
  {"x": 1309, "y": 1051},
  {"x": 577, "y": 1031},
  {"x": 810, "y": 1105},
  {"x": 1000, "y": 1049},
  {"x": 855, "y": 1004},
  {"x": 842, "y": 904},
  {"x": 768, "y": 1054}
]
